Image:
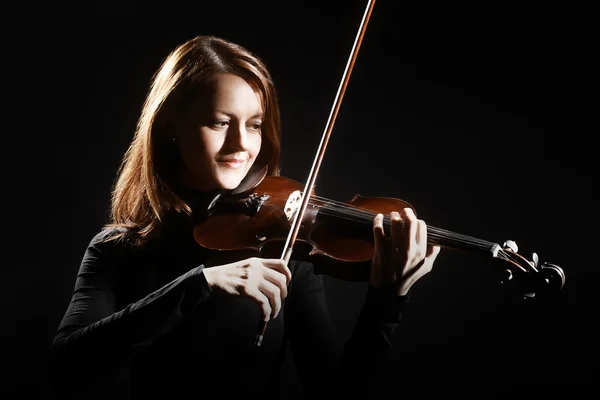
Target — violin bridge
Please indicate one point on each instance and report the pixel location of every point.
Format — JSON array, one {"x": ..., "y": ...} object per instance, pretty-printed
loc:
[{"x": 293, "y": 203}]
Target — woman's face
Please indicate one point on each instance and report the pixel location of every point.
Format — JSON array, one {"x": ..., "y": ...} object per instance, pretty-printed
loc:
[{"x": 220, "y": 138}]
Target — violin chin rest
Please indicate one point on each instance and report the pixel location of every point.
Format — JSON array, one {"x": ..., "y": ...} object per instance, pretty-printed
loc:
[{"x": 252, "y": 179}]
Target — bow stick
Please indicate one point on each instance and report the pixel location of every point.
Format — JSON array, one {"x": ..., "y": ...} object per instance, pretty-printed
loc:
[{"x": 310, "y": 183}]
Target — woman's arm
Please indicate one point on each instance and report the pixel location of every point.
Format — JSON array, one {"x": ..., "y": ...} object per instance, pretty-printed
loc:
[
  {"x": 94, "y": 338},
  {"x": 324, "y": 367}
]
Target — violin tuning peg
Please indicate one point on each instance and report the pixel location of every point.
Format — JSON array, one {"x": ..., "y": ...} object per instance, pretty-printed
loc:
[
  {"x": 535, "y": 259},
  {"x": 506, "y": 276},
  {"x": 511, "y": 245}
]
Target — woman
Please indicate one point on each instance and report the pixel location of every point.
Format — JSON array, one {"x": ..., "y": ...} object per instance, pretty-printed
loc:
[{"x": 150, "y": 301}]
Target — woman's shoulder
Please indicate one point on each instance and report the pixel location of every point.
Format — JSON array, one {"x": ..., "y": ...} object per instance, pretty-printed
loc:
[
  {"x": 111, "y": 237},
  {"x": 109, "y": 233}
]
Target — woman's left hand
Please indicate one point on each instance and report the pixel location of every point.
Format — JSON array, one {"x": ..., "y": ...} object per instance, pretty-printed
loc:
[{"x": 404, "y": 257}]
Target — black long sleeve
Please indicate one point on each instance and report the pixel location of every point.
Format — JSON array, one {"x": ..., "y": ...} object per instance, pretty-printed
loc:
[
  {"x": 324, "y": 368},
  {"x": 96, "y": 338},
  {"x": 151, "y": 315}
]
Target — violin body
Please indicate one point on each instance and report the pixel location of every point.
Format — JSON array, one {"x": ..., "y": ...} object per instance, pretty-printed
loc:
[{"x": 260, "y": 221}]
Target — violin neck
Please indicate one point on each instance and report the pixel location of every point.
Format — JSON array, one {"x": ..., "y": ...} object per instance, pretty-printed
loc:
[
  {"x": 449, "y": 239},
  {"x": 436, "y": 236},
  {"x": 445, "y": 238}
]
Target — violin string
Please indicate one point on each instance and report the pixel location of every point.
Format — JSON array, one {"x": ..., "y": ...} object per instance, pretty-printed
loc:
[
  {"x": 432, "y": 234},
  {"x": 345, "y": 211},
  {"x": 367, "y": 216},
  {"x": 509, "y": 256}
]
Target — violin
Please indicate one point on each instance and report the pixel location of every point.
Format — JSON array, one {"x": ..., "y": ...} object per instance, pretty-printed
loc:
[
  {"x": 257, "y": 217},
  {"x": 265, "y": 210}
]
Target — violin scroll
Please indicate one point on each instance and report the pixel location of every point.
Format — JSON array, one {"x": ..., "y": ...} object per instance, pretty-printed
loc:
[{"x": 535, "y": 280}]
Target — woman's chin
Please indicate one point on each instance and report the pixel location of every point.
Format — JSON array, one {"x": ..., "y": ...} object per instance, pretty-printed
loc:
[
  {"x": 229, "y": 183},
  {"x": 229, "y": 178}
]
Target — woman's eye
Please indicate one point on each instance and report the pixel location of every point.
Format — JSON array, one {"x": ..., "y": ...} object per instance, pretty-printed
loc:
[
  {"x": 220, "y": 124},
  {"x": 256, "y": 126}
]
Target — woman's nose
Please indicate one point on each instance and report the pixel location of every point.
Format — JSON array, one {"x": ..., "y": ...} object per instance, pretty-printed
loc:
[{"x": 238, "y": 137}]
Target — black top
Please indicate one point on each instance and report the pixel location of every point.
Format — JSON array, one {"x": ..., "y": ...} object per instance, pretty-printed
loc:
[{"x": 149, "y": 312}]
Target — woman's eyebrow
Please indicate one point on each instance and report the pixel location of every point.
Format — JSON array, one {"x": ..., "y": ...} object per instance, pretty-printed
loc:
[{"x": 259, "y": 114}]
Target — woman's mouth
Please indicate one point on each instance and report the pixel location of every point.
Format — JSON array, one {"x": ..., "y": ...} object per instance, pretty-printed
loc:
[{"x": 232, "y": 163}]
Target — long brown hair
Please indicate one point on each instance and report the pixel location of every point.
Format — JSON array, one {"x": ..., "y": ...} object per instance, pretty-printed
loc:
[{"x": 144, "y": 192}]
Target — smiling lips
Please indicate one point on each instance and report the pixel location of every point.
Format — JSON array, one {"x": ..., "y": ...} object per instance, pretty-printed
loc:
[{"x": 233, "y": 163}]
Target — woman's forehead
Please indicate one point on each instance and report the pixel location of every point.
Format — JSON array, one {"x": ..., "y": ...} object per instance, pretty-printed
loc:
[{"x": 231, "y": 93}]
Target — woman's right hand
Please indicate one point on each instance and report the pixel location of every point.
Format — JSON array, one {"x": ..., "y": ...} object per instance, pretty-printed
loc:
[{"x": 263, "y": 280}]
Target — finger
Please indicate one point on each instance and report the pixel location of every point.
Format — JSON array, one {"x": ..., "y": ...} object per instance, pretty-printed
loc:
[
  {"x": 432, "y": 252},
  {"x": 409, "y": 222},
  {"x": 278, "y": 279},
  {"x": 378, "y": 231},
  {"x": 421, "y": 239},
  {"x": 273, "y": 293},
  {"x": 403, "y": 231},
  {"x": 410, "y": 235},
  {"x": 396, "y": 234},
  {"x": 262, "y": 300},
  {"x": 279, "y": 266}
]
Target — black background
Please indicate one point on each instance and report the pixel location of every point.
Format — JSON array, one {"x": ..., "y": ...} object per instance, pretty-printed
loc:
[{"x": 480, "y": 114}]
